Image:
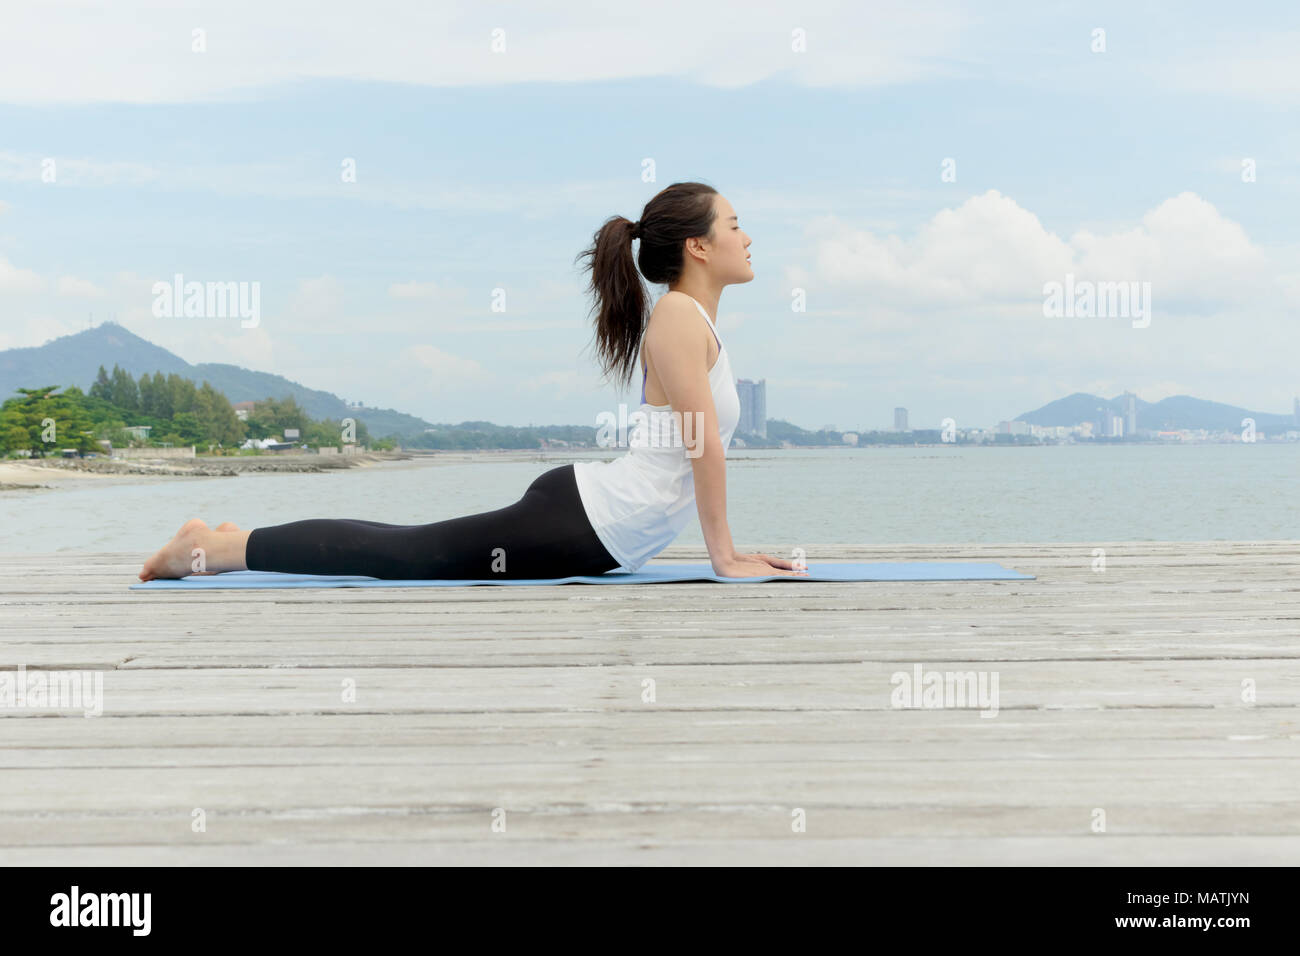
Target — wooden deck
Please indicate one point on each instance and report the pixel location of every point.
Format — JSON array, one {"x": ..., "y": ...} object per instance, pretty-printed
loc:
[{"x": 1120, "y": 691}]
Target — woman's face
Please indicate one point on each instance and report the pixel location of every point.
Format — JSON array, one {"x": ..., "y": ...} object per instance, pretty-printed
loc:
[{"x": 729, "y": 245}]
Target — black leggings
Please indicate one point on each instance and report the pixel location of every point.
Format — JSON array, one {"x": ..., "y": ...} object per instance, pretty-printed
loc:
[{"x": 545, "y": 534}]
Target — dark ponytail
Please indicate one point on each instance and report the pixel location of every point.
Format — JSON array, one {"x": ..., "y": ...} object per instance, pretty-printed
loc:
[{"x": 677, "y": 213}]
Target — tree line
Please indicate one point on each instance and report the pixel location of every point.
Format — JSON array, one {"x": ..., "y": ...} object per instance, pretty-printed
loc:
[{"x": 44, "y": 421}]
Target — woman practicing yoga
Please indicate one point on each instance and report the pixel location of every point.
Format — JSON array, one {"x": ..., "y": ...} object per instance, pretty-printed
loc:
[{"x": 591, "y": 517}]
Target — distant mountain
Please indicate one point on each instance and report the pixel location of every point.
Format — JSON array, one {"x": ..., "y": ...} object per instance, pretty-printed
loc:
[
  {"x": 75, "y": 360},
  {"x": 1175, "y": 412}
]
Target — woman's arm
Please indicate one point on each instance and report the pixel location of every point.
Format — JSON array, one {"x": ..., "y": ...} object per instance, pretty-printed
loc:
[{"x": 679, "y": 344}]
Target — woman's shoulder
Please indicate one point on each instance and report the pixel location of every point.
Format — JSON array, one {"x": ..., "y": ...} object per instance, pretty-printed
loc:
[
  {"x": 674, "y": 311},
  {"x": 677, "y": 303}
]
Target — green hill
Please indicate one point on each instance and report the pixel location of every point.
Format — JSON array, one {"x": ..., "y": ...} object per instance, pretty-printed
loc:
[{"x": 75, "y": 359}]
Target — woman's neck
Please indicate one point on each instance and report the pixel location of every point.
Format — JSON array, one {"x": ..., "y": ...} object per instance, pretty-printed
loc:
[{"x": 706, "y": 297}]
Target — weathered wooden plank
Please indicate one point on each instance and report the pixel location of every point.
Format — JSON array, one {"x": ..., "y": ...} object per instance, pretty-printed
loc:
[
  {"x": 600, "y": 783},
  {"x": 559, "y": 824},
  {"x": 693, "y": 647},
  {"x": 864, "y": 685},
  {"x": 794, "y": 850},
  {"x": 538, "y": 748},
  {"x": 1118, "y": 729},
  {"x": 1120, "y": 690}
]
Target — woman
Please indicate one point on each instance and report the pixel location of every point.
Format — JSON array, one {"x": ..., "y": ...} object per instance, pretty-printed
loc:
[{"x": 591, "y": 517}]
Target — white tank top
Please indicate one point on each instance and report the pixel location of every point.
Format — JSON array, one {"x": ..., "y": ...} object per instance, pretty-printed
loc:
[{"x": 638, "y": 503}]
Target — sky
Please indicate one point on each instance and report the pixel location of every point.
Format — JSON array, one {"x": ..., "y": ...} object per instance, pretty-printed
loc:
[{"x": 912, "y": 175}]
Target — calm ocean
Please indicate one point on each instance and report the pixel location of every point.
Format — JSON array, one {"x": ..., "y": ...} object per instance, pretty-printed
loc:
[{"x": 775, "y": 499}]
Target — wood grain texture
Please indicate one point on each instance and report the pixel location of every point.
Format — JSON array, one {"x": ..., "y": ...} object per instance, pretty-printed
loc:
[{"x": 1119, "y": 690}]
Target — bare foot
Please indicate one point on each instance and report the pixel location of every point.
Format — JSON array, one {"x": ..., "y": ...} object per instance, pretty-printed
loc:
[
  {"x": 174, "y": 560},
  {"x": 227, "y": 526}
]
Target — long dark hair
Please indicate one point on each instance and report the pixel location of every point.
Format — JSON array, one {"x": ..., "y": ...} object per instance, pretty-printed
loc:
[{"x": 622, "y": 307}]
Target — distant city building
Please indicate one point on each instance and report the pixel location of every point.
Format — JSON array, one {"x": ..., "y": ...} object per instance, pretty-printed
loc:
[
  {"x": 753, "y": 406},
  {"x": 1130, "y": 413},
  {"x": 243, "y": 410},
  {"x": 139, "y": 432},
  {"x": 900, "y": 419},
  {"x": 1295, "y": 411},
  {"x": 1051, "y": 432},
  {"x": 1101, "y": 424}
]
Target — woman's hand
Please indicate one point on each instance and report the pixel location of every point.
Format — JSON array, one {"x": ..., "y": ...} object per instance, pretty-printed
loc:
[{"x": 756, "y": 566}]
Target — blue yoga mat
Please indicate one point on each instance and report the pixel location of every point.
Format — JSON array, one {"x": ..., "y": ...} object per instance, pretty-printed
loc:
[{"x": 649, "y": 574}]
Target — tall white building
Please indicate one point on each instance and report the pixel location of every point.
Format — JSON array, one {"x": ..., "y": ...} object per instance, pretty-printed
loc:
[
  {"x": 1112, "y": 424},
  {"x": 753, "y": 406},
  {"x": 1130, "y": 413}
]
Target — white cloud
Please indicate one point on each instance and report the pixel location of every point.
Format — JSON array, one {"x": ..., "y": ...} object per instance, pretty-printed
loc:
[
  {"x": 35, "y": 330},
  {"x": 316, "y": 304},
  {"x": 73, "y": 287},
  {"x": 951, "y": 314},
  {"x": 991, "y": 252},
  {"x": 443, "y": 370},
  {"x": 560, "y": 382},
  {"x": 141, "y": 51},
  {"x": 57, "y": 170},
  {"x": 14, "y": 280},
  {"x": 1261, "y": 66},
  {"x": 413, "y": 290},
  {"x": 1289, "y": 285},
  {"x": 988, "y": 248},
  {"x": 1184, "y": 247}
]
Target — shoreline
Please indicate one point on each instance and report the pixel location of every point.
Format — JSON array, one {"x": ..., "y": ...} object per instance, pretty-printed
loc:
[
  {"x": 52, "y": 474},
  {"x": 56, "y": 473}
]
